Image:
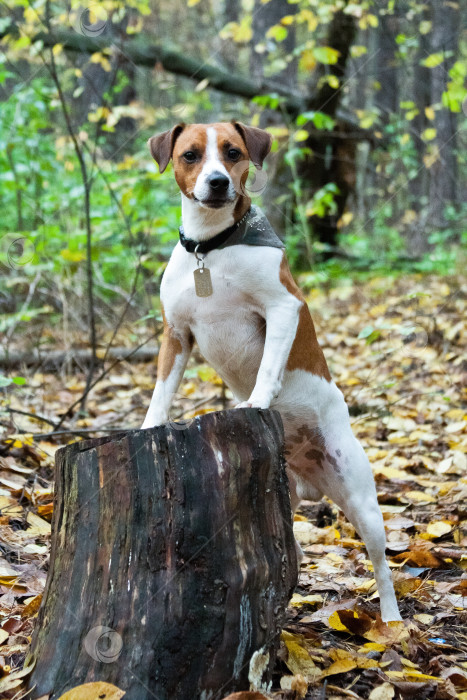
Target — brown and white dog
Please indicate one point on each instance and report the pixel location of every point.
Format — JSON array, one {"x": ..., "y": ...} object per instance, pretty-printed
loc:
[{"x": 255, "y": 329}]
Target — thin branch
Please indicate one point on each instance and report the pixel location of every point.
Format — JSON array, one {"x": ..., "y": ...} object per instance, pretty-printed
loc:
[
  {"x": 144, "y": 52},
  {"x": 98, "y": 379},
  {"x": 87, "y": 211},
  {"x": 31, "y": 415}
]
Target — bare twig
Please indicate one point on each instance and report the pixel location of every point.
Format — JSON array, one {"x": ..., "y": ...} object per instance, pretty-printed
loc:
[
  {"x": 31, "y": 415},
  {"x": 87, "y": 184},
  {"x": 99, "y": 378}
]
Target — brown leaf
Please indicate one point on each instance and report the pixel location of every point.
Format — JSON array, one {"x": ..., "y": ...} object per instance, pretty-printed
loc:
[{"x": 420, "y": 558}]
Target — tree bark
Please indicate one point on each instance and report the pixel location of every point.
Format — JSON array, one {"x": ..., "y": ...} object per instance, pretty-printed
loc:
[
  {"x": 442, "y": 174},
  {"x": 386, "y": 66},
  {"x": 172, "y": 560},
  {"x": 331, "y": 161}
]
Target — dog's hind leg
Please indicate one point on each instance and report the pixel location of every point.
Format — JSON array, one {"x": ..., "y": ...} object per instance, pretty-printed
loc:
[
  {"x": 348, "y": 481},
  {"x": 324, "y": 456}
]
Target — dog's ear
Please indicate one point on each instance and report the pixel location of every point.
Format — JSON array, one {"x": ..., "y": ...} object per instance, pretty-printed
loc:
[
  {"x": 257, "y": 141},
  {"x": 162, "y": 146}
]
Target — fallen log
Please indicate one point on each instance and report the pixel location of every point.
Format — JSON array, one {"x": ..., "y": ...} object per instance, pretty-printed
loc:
[
  {"x": 172, "y": 560},
  {"x": 54, "y": 359}
]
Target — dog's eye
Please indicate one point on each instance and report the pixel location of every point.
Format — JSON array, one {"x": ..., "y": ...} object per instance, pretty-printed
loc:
[
  {"x": 233, "y": 154},
  {"x": 190, "y": 156}
]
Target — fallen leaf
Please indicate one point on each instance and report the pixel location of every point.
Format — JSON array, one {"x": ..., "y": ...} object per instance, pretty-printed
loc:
[
  {"x": 299, "y": 661},
  {"x": 345, "y": 661},
  {"x": 6, "y": 683},
  {"x": 243, "y": 695},
  {"x": 382, "y": 692},
  {"x": 32, "y": 607},
  {"x": 439, "y": 528},
  {"x": 93, "y": 691},
  {"x": 7, "y": 571},
  {"x": 350, "y": 621},
  {"x": 38, "y": 526}
]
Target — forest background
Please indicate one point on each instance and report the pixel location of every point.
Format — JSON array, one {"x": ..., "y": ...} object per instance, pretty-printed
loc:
[{"x": 366, "y": 182}]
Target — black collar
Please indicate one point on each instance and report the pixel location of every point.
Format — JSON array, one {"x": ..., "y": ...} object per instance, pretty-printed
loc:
[{"x": 216, "y": 241}]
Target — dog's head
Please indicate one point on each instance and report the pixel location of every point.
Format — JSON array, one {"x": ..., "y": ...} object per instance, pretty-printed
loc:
[{"x": 211, "y": 161}]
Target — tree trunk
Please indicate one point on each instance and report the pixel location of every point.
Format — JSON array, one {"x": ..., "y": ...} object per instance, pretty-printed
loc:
[
  {"x": 172, "y": 560},
  {"x": 279, "y": 173},
  {"x": 443, "y": 178},
  {"x": 386, "y": 66},
  {"x": 329, "y": 161}
]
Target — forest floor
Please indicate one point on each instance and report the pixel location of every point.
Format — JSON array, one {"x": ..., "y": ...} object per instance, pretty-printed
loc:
[{"x": 396, "y": 348}]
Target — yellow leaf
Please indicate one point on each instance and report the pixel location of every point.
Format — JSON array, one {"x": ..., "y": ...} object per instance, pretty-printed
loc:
[
  {"x": 432, "y": 156},
  {"x": 382, "y": 692},
  {"x": 102, "y": 60},
  {"x": 32, "y": 607},
  {"x": 429, "y": 134},
  {"x": 94, "y": 691},
  {"x": 298, "y": 600},
  {"x": 306, "y": 15},
  {"x": 192, "y": 3},
  {"x": 301, "y": 135},
  {"x": 39, "y": 526},
  {"x": 57, "y": 49},
  {"x": 341, "y": 666},
  {"x": 357, "y": 51},
  {"x": 419, "y": 497},
  {"x": 345, "y": 661},
  {"x": 388, "y": 633},
  {"x": 31, "y": 15},
  {"x": 372, "y": 646},
  {"x": 334, "y": 621},
  {"x": 410, "y": 675},
  {"x": 307, "y": 60},
  {"x": 430, "y": 113},
  {"x": 299, "y": 661},
  {"x": 345, "y": 219},
  {"x": 73, "y": 255},
  {"x": 424, "y": 618},
  {"x": 439, "y": 528}
]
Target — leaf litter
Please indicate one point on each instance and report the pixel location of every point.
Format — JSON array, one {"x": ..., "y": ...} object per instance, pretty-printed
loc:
[{"x": 396, "y": 348}]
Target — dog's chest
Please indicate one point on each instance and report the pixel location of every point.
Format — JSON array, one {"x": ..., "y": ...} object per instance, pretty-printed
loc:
[{"x": 229, "y": 324}]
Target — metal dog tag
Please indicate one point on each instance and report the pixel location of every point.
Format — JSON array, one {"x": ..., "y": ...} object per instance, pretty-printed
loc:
[{"x": 203, "y": 285}]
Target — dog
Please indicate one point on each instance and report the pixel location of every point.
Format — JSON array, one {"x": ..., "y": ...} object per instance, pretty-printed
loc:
[{"x": 229, "y": 287}]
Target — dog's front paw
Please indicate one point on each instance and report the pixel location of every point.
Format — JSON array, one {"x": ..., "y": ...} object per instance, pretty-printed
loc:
[
  {"x": 252, "y": 403},
  {"x": 153, "y": 422}
]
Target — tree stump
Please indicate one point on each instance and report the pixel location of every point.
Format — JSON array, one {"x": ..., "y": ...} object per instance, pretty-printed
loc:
[{"x": 172, "y": 560}]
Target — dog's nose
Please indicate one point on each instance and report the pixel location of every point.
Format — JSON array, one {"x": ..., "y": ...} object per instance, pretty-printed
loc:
[{"x": 217, "y": 181}]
